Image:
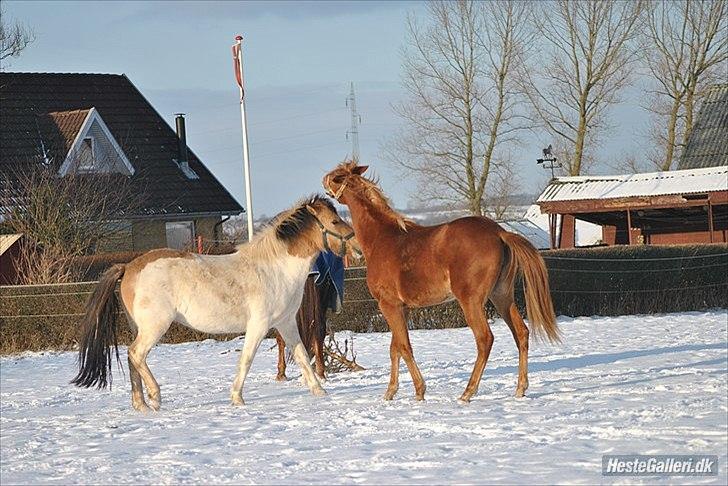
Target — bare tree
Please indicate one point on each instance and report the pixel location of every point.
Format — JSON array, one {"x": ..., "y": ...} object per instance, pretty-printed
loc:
[
  {"x": 13, "y": 39},
  {"x": 235, "y": 230},
  {"x": 462, "y": 104},
  {"x": 687, "y": 50},
  {"x": 502, "y": 186},
  {"x": 63, "y": 217},
  {"x": 591, "y": 51}
]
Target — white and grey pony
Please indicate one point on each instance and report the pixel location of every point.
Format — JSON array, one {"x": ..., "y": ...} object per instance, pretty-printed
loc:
[{"x": 257, "y": 288}]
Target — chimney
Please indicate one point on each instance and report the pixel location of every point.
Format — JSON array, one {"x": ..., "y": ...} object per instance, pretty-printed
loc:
[
  {"x": 183, "y": 161},
  {"x": 181, "y": 139}
]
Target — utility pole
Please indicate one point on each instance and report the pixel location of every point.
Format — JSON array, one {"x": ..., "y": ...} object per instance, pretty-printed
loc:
[{"x": 354, "y": 129}]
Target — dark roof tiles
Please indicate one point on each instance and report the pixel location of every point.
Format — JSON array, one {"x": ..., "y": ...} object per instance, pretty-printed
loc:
[{"x": 31, "y": 104}]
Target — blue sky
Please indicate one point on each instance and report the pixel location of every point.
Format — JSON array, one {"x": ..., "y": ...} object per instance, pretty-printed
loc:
[{"x": 299, "y": 60}]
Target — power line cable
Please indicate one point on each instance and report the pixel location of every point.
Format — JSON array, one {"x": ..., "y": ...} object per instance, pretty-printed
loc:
[{"x": 267, "y": 122}]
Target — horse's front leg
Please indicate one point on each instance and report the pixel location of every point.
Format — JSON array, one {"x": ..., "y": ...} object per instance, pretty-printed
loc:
[
  {"x": 289, "y": 332},
  {"x": 393, "y": 371},
  {"x": 254, "y": 335},
  {"x": 400, "y": 346}
]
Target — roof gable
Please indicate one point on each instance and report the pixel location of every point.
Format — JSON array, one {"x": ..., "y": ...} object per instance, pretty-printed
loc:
[
  {"x": 34, "y": 102},
  {"x": 107, "y": 155}
]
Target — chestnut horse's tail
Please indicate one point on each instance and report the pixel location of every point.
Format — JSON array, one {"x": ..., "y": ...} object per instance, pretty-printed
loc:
[
  {"x": 539, "y": 307},
  {"x": 98, "y": 332}
]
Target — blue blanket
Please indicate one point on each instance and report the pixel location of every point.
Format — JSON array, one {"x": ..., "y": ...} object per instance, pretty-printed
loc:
[{"x": 331, "y": 267}]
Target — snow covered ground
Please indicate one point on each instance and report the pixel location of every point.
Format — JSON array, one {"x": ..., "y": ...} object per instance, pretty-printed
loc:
[{"x": 622, "y": 385}]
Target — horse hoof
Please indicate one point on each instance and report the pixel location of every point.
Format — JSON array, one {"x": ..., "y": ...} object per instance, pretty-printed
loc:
[
  {"x": 420, "y": 398},
  {"x": 319, "y": 392},
  {"x": 390, "y": 395},
  {"x": 281, "y": 378},
  {"x": 142, "y": 407},
  {"x": 464, "y": 399},
  {"x": 154, "y": 404},
  {"x": 237, "y": 401},
  {"x": 520, "y": 393}
]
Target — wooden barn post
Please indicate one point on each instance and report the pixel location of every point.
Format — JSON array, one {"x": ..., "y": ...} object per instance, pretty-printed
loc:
[{"x": 629, "y": 227}]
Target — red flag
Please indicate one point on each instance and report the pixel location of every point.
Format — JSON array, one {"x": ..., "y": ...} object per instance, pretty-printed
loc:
[{"x": 236, "y": 65}]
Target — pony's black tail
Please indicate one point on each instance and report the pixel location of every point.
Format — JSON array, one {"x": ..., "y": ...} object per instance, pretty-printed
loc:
[{"x": 98, "y": 332}]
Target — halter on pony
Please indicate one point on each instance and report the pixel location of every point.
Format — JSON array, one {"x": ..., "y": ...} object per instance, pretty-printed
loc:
[{"x": 342, "y": 238}]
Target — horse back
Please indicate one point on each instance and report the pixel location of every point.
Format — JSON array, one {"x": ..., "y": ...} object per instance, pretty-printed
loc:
[
  {"x": 128, "y": 288},
  {"x": 422, "y": 265},
  {"x": 206, "y": 293}
]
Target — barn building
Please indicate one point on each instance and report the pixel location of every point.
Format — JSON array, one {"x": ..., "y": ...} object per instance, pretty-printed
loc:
[{"x": 689, "y": 205}]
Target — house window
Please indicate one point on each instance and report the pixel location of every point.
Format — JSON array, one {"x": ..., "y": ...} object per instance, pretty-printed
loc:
[
  {"x": 86, "y": 156},
  {"x": 180, "y": 234}
]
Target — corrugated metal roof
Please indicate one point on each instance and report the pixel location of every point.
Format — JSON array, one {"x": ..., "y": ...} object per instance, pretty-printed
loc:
[
  {"x": 707, "y": 145},
  {"x": 689, "y": 181},
  {"x": 529, "y": 230},
  {"x": 6, "y": 241}
]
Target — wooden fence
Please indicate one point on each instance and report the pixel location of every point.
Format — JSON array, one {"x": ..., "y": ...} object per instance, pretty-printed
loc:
[{"x": 597, "y": 281}]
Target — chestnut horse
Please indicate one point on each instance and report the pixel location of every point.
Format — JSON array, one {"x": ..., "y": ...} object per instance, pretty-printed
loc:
[{"x": 470, "y": 259}]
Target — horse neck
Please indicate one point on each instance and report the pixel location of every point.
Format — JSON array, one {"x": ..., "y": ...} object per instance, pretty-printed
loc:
[
  {"x": 267, "y": 252},
  {"x": 371, "y": 224}
]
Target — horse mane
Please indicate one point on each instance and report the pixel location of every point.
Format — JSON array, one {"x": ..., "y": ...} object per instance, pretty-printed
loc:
[
  {"x": 297, "y": 221},
  {"x": 286, "y": 227},
  {"x": 371, "y": 191}
]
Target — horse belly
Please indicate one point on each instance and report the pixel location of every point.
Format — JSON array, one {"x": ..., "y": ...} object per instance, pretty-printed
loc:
[
  {"x": 425, "y": 289},
  {"x": 212, "y": 316}
]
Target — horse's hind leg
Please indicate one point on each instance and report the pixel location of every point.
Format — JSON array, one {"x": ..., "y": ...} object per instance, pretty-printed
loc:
[
  {"x": 148, "y": 334},
  {"x": 318, "y": 353},
  {"x": 475, "y": 317},
  {"x": 503, "y": 301},
  {"x": 281, "y": 376},
  {"x": 137, "y": 389}
]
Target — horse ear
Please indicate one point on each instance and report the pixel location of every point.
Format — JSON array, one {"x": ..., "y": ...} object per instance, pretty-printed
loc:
[
  {"x": 311, "y": 209},
  {"x": 360, "y": 169}
]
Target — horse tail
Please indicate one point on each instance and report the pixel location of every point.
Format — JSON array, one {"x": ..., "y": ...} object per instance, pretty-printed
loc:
[
  {"x": 98, "y": 332},
  {"x": 306, "y": 315},
  {"x": 539, "y": 307}
]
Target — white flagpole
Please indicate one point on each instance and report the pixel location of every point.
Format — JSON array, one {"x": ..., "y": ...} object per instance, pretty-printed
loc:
[{"x": 238, "y": 49}]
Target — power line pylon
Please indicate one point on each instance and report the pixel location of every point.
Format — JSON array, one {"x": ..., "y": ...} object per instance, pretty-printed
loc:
[{"x": 355, "y": 121}]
